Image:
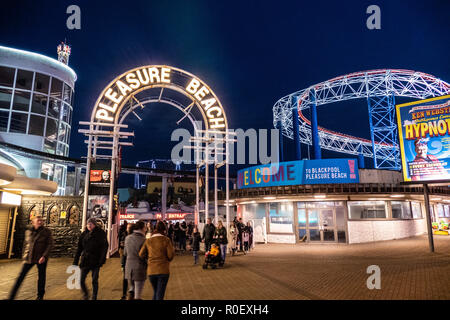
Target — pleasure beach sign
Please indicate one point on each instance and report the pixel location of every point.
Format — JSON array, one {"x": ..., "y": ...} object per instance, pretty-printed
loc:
[{"x": 124, "y": 87}]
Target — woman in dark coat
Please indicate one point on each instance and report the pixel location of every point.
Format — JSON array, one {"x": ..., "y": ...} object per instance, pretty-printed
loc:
[
  {"x": 250, "y": 233},
  {"x": 176, "y": 235},
  {"x": 135, "y": 266},
  {"x": 182, "y": 235},
  {"x": 196, "y": 239},
  {"x": 92, "y": 249},
  {"x": 220, "y": 234},
  {"x": 123, "y": 260},
  {"x": 170, "y": 231}
]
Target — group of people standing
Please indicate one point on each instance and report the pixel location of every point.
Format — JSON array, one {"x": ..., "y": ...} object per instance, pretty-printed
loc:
[
  {"x": 239, "y": 237},
  {"x": 180, "y": 233}
]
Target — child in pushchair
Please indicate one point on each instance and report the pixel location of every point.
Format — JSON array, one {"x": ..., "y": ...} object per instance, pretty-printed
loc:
[{"x": 213, "y": 257}]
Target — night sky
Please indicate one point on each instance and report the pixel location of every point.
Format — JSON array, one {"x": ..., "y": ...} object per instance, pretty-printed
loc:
[{"x": 251, "y": 53}]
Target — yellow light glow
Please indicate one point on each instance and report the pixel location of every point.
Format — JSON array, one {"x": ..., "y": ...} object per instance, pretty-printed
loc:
[
  {"x": 132, "y": 81},
  {"x": 165, "y": 75},
  {"x": 193, "y": 86},
  {"x": 112, "y": 95},
  {"x": 115, "y": 96},
  {"x": 200, "y": 94}
]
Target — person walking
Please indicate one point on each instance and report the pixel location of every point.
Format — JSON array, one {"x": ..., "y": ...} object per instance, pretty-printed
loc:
[
  {"x": 92, "y": 249},
  {"x": 232, "y": 238},
  {"x": 135, "y": 266},
  {"x": 123, "y": 232},
  {"x": 190, "y": 229},
  {"x": 196, "y": 239},
  {"x": 250, "y": 235},
  {"x": 159, "y": 252},
  {"x": 240, "y": 227},
  {"x": 170, "y": 231},
  {"x": 176, "y": 235},
  {"x": 221, "y": 235},
  {"x": 182, "y": 235},
  {"x": 122, "y": 236},
  {"x": 208, "y": 234},
  {"x": 245, "y": 239},
  {"x": 37, "y": 245}
]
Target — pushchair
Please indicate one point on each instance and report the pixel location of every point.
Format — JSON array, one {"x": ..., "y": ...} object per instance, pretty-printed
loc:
[{"x": 213, "y": 257}]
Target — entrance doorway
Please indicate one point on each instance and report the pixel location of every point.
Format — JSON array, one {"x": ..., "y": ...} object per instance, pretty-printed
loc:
[{"x": 321, "y": 222}]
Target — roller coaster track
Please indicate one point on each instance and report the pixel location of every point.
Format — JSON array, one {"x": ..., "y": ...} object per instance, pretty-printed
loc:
[{"x": 379, "y": 88}]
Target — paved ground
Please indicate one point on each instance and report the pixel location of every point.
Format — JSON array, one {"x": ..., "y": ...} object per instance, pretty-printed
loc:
[{"x": 275, "y": 271}]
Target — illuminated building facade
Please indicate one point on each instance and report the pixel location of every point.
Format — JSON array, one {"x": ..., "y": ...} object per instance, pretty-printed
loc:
[{"x": 36, "y": 107}]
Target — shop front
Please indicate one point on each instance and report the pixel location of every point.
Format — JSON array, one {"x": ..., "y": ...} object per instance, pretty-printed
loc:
[
  {"x": 357, "y": 220},
  {"x": 340, "y": 204},
  {"x": 299, "y": 221}
]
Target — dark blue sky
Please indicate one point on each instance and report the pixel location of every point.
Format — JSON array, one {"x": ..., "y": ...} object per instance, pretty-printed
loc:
[{"x": 251, "y": 53}]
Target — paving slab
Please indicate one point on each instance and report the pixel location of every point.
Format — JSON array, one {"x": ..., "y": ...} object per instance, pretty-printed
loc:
[{"x": 275, "y": 272}]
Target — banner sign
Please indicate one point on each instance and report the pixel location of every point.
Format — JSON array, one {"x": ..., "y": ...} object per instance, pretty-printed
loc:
[
  {"x": 173, "y": 216},
  {"x": 299, "y": 172},
  {"x": 98, "y": 208},
  {"x": 100, "y": 178},
  {"x": 424, "y": 135},
  {"x": 127, "y": 216}
]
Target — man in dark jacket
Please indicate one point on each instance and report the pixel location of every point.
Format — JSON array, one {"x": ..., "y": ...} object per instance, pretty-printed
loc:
[
  {"x": 182, "y": 235},
  {"x": 37, "y": 245},
  {"x": 92, "y": 248},
  {"x": 208, "y": 234},
  {"x": 240, "y": 226},
  {"x": 196, "y": 239}
]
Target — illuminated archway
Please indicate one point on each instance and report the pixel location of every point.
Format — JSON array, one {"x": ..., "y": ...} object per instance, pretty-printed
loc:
[
  {"x": 113, "y": 104},
  {"x": 127, "y": 92}
]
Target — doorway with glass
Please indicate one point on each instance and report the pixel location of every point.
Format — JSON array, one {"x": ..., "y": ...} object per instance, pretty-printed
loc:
[{"x": 321, "y": 222}]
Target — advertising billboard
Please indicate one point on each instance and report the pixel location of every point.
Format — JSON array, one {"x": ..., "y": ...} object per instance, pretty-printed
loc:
[
  {"x": 100, "y": 177},
  {"x": 424, "y": 135},
  {"x": 299, "y": 172},
  {"x": 98, "y": 208}
]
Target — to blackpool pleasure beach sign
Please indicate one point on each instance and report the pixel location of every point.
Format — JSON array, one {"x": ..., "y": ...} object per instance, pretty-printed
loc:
[{"x": 124, "y": 87}]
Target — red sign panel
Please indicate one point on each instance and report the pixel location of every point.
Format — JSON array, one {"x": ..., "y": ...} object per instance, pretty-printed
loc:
[
  {"x": 127, "y": 216},
  {"x": 173, "y": 216},
  {"x": 100, "y": 177}
]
